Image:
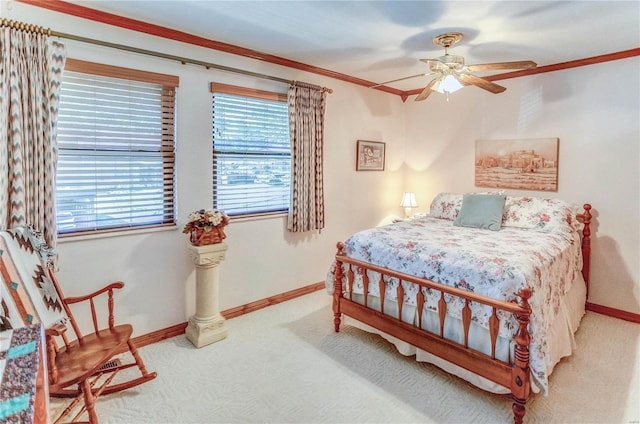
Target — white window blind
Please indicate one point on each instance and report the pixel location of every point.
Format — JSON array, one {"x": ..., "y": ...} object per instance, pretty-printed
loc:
[
  {"x": 251, "y": 154},
  {"x": 116, "y": 153}
]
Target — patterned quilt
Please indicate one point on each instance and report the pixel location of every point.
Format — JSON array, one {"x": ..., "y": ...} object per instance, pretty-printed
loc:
[
  {"x": 496, "y": 264},
  {"x": 19, "y": 362}
]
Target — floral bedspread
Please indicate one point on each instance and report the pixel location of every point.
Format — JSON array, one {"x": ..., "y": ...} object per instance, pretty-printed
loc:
[{"x": 496, "y": 264}]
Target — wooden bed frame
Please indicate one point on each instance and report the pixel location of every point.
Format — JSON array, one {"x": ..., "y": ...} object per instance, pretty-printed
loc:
[{"x": 515, "y": 377}]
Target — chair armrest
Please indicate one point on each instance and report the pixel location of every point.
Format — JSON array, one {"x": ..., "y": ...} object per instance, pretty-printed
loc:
[
  {"x": 112, "y": 286},
  {"x": 55, "y": 330},
  {"x": 52, "y": 349}
]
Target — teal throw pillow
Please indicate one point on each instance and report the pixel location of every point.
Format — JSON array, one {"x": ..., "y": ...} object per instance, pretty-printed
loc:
[{"x": 481, "y": 211}]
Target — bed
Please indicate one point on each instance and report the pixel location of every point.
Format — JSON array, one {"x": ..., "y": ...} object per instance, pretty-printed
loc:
[{"x": 492, "y": 287}]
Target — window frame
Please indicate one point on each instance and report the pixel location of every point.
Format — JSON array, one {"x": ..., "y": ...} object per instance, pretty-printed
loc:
[
  {"x": 167, "y": 144},
  {"x": 250, "y": 93}
]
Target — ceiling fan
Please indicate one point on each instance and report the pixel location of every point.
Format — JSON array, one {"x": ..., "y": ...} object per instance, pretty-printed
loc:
[{"x": 453, "y": 74}]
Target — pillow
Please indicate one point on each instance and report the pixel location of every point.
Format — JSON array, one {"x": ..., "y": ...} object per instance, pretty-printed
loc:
[
  {"x": 481, "y": 211},
  {"x": 539, "y": 214},
  {"x": 573, "y": 220},
  {"x": 446, "y": 206}
]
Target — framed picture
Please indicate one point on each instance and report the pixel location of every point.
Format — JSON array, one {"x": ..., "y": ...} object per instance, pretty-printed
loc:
[
  {"x": 369, "y": 156},
  {"x": 524, "y": 164}
]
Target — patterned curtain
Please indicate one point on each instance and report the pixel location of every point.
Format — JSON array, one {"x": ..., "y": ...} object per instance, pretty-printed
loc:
[
  {"x": 306, "y": 125},
  {"x": 31, "y": 67}
]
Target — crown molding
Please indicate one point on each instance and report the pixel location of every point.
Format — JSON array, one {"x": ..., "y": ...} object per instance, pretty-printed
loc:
[{"x": 172, "y": 34}]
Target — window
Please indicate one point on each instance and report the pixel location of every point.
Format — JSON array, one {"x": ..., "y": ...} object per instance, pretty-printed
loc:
[
  {"x": 116, "y": 148},
  {"x": 251, "y": 151}
]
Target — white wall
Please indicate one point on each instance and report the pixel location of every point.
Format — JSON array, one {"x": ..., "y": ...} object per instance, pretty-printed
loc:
[
  {"x": 594, "y": 111},
  {"x": 263, "y": 259}
]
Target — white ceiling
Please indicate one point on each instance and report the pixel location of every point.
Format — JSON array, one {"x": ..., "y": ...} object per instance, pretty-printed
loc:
[{"x": 382, "y": 40}]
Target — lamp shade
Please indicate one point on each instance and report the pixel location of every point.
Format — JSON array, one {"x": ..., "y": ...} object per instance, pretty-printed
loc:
[
  {"x": 447, "y": 84},
  {"x": 409, "y": 200}
]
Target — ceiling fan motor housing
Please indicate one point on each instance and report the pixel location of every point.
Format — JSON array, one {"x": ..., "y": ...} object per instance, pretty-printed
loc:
[
  {"x": 447, "y": 39},
  {"x": 452, "y": 61}
]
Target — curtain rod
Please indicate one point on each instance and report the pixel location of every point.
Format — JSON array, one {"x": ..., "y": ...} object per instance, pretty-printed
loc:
[
  {"x": 208, "y": 65},
  {"x": 21, "y": 26}
]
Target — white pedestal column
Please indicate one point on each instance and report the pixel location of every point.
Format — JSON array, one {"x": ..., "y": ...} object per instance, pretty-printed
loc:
[{"x": 207, "y": 325}]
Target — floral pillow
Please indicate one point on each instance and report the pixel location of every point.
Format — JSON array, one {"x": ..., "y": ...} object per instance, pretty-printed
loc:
[
  {"x": 446, "y": 206},
  {"x": 535, "y": 213}
]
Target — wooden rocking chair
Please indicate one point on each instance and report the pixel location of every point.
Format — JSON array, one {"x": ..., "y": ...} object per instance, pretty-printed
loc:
[{"x": 82, "y": 366}]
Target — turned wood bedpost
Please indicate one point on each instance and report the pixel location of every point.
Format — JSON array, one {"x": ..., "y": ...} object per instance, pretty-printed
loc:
[
  {"x": 586, "y": 244},
  {"x": 337, "y": 288},
  {"x": 520, "y": 378}
]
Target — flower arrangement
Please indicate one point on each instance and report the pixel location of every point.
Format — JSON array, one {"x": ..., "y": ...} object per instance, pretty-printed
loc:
[{"x": 206, "y": 227}]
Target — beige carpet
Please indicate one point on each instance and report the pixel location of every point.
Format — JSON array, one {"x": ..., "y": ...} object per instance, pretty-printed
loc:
[{"x": 284, "y": 364}]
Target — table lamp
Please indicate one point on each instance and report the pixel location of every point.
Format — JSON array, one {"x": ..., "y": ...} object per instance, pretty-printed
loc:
[{"x": 408, "y": 202}]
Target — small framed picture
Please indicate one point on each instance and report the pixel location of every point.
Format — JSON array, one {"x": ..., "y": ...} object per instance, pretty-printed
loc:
[{"x": 370, "y": 156}]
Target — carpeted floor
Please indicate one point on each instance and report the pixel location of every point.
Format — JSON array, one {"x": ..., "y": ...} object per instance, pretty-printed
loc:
[{"x": 284, "y": 364}]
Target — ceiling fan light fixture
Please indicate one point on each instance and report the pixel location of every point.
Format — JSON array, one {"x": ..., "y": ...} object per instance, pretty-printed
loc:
[{"x": 447, "y": 84}]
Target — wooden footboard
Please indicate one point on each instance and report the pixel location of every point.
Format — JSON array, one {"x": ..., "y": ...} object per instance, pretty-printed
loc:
[{"x": 515, "y": 377}]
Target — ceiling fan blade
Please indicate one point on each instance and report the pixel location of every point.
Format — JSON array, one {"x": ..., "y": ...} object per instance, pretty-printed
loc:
[
  {"x": 400, "y": 79},
  {"x": 523, "y": 64},
  {"x": 468, "y": 79},
  {"x": 427, "y": 90}
]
